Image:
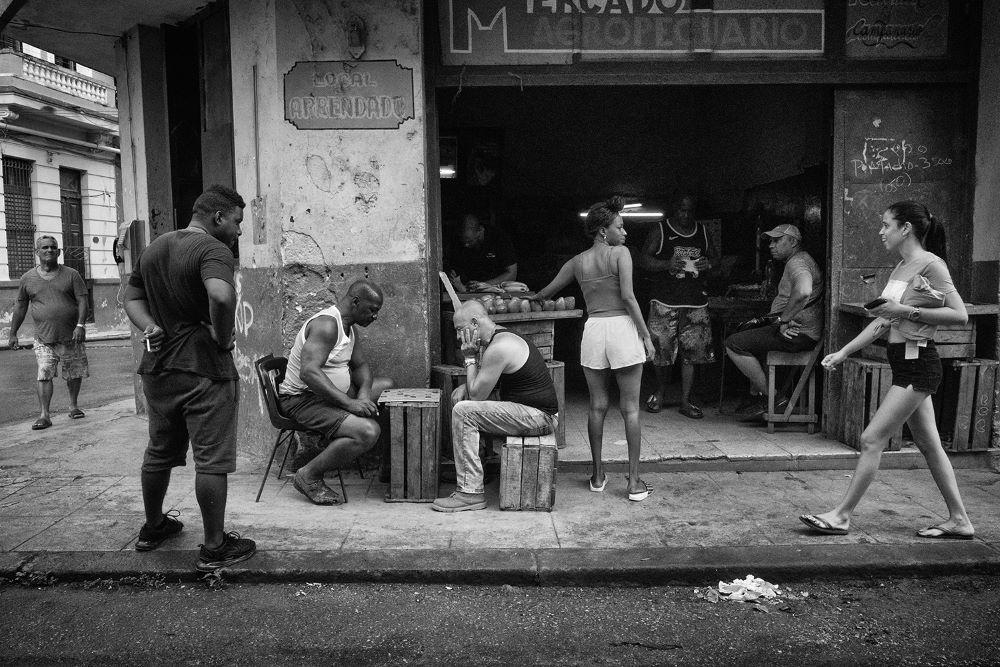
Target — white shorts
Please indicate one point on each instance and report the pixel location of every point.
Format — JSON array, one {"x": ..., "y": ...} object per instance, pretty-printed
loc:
[{"x": 611, "y": 342}]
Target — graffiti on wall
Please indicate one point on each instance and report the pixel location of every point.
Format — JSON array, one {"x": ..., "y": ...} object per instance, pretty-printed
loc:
[{"x": 243, "y": 361}]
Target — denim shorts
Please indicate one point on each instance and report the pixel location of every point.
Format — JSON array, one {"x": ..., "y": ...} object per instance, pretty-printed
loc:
[{"x": 924, "y": 372}]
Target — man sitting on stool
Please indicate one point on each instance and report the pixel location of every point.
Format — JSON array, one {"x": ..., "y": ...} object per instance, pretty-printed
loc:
[
  {"x": 800, "y": 321},
  {"x": 527, "y": 405},
  {"x": 328, "y": 387}
]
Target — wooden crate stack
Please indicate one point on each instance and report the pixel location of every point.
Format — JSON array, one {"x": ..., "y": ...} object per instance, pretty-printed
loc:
[
  {"x": 953, "y": 341},
  {"x": 965, "y": 404},
  {"x": 865, "y": 384},
  {"x": 528, "y": 473},
  {"x": 414, "y": 443}
]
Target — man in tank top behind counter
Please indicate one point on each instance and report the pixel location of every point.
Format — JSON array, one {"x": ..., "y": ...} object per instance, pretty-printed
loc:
[
  {"x": 676, "y": 258},
  {"x": 495, "y": 358},
  {"x": 329, "y": 387}
]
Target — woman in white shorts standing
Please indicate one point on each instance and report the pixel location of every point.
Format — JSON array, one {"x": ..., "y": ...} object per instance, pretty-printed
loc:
[{"x": 616, "y": 341}]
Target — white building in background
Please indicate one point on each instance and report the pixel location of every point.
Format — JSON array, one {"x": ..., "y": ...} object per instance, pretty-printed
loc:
[{"x": 59, "y": 151}]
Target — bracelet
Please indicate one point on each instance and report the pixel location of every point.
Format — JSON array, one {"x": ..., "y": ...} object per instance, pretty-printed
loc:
[
  {"x": 470, "y": 361},
  {"x": 913, "y": 315},
  {"x": 80, "y": 326}
]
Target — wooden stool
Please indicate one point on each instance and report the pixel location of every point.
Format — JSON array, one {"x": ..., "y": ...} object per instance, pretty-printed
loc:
[
  {"x": 447, "y": 377},
  {"x": 528, "y": 473},
  {"x": 414, "y": 443},
  {"x": 806, "y": 401}
]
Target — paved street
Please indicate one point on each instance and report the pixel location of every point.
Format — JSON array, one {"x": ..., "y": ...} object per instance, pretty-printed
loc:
[
  {"x": 912, "y": 621},
  {"x": 111, "y": 371}
]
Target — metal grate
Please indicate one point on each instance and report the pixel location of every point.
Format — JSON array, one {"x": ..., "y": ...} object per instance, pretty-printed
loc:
[{"x": 17, "y": 205}]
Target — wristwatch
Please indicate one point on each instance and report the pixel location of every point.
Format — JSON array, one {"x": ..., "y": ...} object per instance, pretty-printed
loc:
[{"x": 914, "y": 314}]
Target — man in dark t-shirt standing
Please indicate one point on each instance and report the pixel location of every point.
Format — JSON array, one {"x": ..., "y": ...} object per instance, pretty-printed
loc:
[
  {"x": 182, "y": 296},
  {"x": 58, "y": 298},
  {"x": 494, "y": 359}
]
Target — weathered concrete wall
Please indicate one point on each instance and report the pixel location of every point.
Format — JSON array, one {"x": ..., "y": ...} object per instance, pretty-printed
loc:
[
  {"x": 986, "y": 231},
  {"x": 336, "y": 205}
]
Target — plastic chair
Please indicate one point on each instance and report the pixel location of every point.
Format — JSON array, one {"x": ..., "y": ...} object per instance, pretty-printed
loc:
[{"x": 270, "y": 374}]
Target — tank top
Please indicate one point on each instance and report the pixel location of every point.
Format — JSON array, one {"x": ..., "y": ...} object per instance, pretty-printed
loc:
[
  {"x": 598, "y": 279},
  {"x": 336, "y": 365},
  {"x": 530, "y": 384}
]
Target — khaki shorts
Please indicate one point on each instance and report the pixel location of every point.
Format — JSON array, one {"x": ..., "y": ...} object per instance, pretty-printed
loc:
[
  {"x": 611, "y": 342},
  {"x": 72, "y": 355}
]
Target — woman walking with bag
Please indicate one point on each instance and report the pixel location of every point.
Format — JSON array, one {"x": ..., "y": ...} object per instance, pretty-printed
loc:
[
  {"x": 615, "y": 339},
  {"x": 918, "y": 297}
]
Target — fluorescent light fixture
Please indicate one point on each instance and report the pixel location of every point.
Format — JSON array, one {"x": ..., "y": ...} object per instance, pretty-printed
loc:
[
  {"x": 650, "y": 214},
  {"x": 639, "y": 205},
  {"x": 447, "y": 172}
]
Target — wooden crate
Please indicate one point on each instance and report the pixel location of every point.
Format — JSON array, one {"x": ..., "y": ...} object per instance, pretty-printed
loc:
[
  {"x": 865, "y": 384},
  {"x": 953, "y": 341},
  {"x": 414, "y": 443},
  {"x": 528, "y": 473},
  {"x": 965, "y": 404},
  {"x": 447, "y": 377}
]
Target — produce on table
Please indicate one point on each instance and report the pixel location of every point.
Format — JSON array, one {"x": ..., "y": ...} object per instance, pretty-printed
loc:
[
  {"x": 570, "y": 302},
  {"x": 514, "y": 305},
  {"x": 549, "y": 305},
  {"x": 536, "y": 307},
  {"x": 560, "y": 303}
]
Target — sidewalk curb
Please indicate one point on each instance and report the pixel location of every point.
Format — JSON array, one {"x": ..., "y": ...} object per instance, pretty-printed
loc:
[{"x": 699, "y": 566}]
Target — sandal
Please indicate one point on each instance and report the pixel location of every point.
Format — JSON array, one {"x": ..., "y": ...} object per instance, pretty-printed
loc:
[
  {"x": 76, "y": 413},
  {"x": 653, "y": 404},
  {"x": 639, "y": 496},
  {"x": 692, "y": 411},
  {"x": 41, "y": 423}
]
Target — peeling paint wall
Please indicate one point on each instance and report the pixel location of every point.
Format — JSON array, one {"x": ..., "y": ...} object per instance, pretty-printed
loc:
[{"x": 336, "y": 205}]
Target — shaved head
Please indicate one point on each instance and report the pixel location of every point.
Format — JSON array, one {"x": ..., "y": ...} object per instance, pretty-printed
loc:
[
  {"x": 365, "y": 289},
  {"x": 468, "y": 311}
]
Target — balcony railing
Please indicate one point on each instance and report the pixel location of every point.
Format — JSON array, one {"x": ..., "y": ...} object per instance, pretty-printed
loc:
[{"x": 68, "y": 82}]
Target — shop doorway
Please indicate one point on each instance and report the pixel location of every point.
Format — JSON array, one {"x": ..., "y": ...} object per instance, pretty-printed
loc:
[{"x": 534, "y": 158}]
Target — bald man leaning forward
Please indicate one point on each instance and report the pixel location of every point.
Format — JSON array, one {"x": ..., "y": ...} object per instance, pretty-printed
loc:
[
  {"x": 329, "y": 387},
  {"x": 495, "y": 358}
]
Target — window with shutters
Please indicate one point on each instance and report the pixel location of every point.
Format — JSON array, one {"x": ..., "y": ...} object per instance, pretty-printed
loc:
[{"x": 17, "y": 205}]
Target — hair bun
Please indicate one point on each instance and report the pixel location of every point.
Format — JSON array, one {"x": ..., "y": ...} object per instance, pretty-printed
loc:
[{"x": 616, "y": 204}]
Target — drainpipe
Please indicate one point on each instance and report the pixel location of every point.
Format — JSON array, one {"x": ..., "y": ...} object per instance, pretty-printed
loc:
[{"x": 56, "y": 137}]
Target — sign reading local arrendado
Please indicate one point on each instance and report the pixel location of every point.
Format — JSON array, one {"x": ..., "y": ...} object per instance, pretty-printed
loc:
[{"x": 348, "y": 95}]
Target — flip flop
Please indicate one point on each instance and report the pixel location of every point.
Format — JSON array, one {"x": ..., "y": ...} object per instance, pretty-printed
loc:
[
  {"x": 76, "y": 413},
  {"x": 943, "y": 534},
  {"x": 691, "y": 411},
  {"x": 598, "y": 489},
  {"x": 821, "y": 526},
  {"x": 41, "y": 424},
  {"x": 639, "y": 496},
  {"x": 653, "y": 404}
]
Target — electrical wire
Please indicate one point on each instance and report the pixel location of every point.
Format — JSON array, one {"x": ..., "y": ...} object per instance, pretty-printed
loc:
[{"x": 21, "y": 23}]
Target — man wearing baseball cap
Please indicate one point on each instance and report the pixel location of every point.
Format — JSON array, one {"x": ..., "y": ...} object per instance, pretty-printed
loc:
[{"x": 800, "y": 323}]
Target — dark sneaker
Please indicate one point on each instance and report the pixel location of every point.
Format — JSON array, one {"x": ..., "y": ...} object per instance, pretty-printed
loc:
[
  {"x": 234, "y": 549},
  {"x": 754, "y": 411},
  {"x": 151, "y": 537}
]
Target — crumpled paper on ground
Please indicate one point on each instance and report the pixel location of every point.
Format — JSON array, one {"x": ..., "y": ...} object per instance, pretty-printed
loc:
[{"x": 751, "y": 588}]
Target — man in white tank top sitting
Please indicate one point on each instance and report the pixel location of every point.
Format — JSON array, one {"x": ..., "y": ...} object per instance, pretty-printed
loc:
[
  {"x": 329, "y": 387},
  {"x": 495, "y": 358}
]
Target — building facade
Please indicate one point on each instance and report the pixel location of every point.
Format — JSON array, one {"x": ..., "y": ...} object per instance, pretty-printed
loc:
[
  {"x": 334, "y": 120},
  {"x": 59, "y": 128}
]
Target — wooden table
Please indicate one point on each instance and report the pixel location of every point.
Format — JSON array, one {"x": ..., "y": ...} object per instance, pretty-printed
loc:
[
  {"x": 727, "y": 311},
  {"x": 538, "y": 327}
]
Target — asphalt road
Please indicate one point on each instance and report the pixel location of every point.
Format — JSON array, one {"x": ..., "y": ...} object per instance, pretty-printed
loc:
[
  {"x": 111, "y": 371},
  {"x": 944, "y": 621}
]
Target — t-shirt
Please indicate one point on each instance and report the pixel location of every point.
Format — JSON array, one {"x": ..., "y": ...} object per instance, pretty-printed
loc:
[
  {"x": 687, "y": 289},
  {"x": 921, "y": 284},
  {"x": 172, "y": 272},
  {"x": 337, "y": 364},
  {"x": 810, "y": 319},
  {"x": 489, "y": 260},
  {"x": 53, "y": 309}
]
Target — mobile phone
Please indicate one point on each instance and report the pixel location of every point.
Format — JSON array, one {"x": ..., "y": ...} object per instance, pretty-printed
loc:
[{"x": 875, "y": 303}]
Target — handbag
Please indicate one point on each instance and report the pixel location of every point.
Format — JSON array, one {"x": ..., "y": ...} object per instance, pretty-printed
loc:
[{"x": 771, "y": 318}]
